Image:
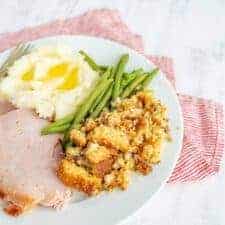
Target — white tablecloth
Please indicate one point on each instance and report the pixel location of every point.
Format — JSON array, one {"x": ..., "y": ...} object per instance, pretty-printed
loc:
[{"x": 193, "y": 33}]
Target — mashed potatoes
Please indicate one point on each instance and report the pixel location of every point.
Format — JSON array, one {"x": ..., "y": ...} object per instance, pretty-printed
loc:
[{"x": 51, "y": 79}]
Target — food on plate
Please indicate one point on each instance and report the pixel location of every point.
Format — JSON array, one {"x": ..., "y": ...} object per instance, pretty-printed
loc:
[
  {"x": 28, "y": 164},
  {"x": 108, "y": 148},
  {"x": 52, "y": 80},
  {"x": 105, "y": 124},
  {"x": 118, "y": 128}
]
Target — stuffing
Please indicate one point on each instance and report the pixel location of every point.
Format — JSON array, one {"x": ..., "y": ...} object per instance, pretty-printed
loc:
[
  {"x": 90, "y": 125},
  {"x": 96, "y": 153},
  {"x": 102, "y": 168},
  {"x": 123, "y": 179},
  {"x": 117, "y": 179},
  {"x": 78, "y": 137},
  {"x": 73, "y": 151},
  {"x": 77, "y": 177},
  {"x": 110, "y": 137},
  {"x": 142, "y": 166},
  {"x": 108, "y": 148}
]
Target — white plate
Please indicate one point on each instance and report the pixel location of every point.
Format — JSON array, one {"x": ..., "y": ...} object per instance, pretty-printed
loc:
[{"x": 110, "y": 208}]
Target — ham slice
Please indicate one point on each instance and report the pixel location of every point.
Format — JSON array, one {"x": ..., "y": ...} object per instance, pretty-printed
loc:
[
  {"x": 28, "y": 164},
  {"x": 5, "y": 106}
]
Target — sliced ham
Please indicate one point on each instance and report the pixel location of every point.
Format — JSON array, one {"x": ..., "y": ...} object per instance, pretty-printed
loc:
[
  {"x": 28, "y": 164},
  {"x": 5, "y": 106}
]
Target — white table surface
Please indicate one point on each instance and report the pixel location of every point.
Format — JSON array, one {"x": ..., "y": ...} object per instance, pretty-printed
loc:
[{"x": 193, "y": 33}]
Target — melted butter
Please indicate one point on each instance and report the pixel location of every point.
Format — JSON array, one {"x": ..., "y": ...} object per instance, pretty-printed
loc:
[
  {"x": 28, "y": 75},
  {"x": 56, "y": 71},
  {"x": 69, "y": 76},
  {"x": 71, "y": 80}
]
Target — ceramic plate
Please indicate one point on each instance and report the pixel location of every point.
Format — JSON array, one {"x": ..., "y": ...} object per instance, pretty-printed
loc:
[{"x": 114, "y": 207}]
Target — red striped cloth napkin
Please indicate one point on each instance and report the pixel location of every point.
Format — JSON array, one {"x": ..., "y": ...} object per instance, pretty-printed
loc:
[{"x": 203, "y": 119}]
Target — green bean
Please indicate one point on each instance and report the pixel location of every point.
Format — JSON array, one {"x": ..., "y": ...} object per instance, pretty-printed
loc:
[
  {"x": 106, "y": 74},
  {"x": 137, "y": 71},
  {"x": 147, "y": 80},
  {"x": 150, "y": 76},
  {"x": 128, "y": 77},
  {"x": 66, "y": 120},
  {"x": 118, "y": 75},
  {"x": 90, "y": 61},
  {"x": 102, "y": 104},
  {"x": 103, "y": 67},
  {"x": 87, "y": 104},
  {"x": 98, "y": 99},
  {"x": 56, "y": 129},
  {"x": 113, "y": 71},
  {"x": 132, "y": 86}
]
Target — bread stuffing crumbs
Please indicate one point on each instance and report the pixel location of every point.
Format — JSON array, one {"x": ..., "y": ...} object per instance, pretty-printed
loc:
[{"x": 105, "y": 150}]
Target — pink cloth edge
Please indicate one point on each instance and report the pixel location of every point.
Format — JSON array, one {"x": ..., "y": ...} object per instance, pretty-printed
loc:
[
  {"x": 220, "y": 137},
  {"x": 203, "y": 168},
  {"x": 16, "y": 36},
  {"x": 166, "y": 66}
]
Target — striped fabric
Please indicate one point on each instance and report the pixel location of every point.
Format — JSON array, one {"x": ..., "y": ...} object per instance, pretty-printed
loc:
[
  {"x": 204, "y": 132},
  {"x": 203, "y": 139},
  {"x": 203, "y": 119}
]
